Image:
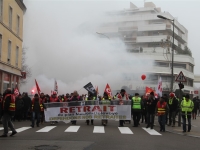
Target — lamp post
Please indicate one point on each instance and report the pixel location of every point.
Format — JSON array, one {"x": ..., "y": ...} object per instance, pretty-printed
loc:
[{"x": 172, "y": 66}]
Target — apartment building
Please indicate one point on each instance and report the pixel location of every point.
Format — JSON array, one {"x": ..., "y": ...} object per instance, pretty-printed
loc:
[
  {"x": 11, "y": 38},
  {"x": 144, "y": 34}
]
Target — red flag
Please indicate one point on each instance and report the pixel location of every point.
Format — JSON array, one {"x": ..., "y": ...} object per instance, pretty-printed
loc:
[
  {"x": 149, "y": 90},
  {"x": 108, "y": 91},
  {"x": 16, "y": 92},
  {"x": 37, "y": 87}
]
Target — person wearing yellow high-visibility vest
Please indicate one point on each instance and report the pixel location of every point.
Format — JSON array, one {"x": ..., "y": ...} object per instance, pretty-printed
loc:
[
  {"x": 105, "y": 101},
  {"x": 186, "y": 108},
  {"x": 90, "y": 101},
  {"x": 137, "y": 106},
  {"x": 8, "y": 111},
  {"x": 161, "y": 111}
]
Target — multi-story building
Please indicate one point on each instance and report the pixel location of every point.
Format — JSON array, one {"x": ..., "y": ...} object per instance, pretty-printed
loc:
[
  {"x": 11, "y": 38},
  {"x": 147, "y": 35}
]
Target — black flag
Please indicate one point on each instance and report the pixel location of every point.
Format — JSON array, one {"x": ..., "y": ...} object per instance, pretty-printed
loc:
[{"x": 89, "y": 87}]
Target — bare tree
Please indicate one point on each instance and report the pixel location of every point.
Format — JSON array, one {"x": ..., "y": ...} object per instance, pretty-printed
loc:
[{"x": 25, "y": 67}]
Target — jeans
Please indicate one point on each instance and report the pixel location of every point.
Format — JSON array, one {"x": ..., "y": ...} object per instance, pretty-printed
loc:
[
  {"x": 184, "y": 122},
  {"x": 6, "y": 120},
  {"x": 172, "y": 116},
  {"x": 37, "y": 115},
  {"x": 161, "y": 120},
  {"x": 136, "y": 118},
  {"x": 150, "y": 119}
]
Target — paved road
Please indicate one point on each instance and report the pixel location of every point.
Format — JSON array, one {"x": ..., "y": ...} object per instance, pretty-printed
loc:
[{"x": 96, "y": 137}]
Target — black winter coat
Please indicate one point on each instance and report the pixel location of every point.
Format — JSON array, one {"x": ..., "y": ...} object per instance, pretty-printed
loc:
[{"x": 151, "y": 105}]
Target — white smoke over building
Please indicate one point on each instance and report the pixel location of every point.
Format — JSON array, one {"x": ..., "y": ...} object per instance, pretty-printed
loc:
[{"x": 62, "y": 44}]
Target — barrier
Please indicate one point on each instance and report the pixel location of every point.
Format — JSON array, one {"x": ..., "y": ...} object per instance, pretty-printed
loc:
[{"x": 84, "y": 110}]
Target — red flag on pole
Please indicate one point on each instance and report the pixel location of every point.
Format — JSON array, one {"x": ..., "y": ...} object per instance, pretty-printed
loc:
[
  {"x": 37, "y": 87},
  {"x": 108, "y": 91},
  {"x": 16, "y": 92}
]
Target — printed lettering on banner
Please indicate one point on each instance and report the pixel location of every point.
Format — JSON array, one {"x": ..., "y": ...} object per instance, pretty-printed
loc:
[{"x": 110, "y": 112}]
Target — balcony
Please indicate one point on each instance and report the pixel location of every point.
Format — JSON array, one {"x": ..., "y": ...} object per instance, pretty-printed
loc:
[
  {"x": 152, "y": 27},
  {"x": 130, "y": 40}
]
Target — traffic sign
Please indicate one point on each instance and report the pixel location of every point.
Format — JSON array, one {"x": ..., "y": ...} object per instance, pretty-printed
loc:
[{"x": 180, "y": 77}]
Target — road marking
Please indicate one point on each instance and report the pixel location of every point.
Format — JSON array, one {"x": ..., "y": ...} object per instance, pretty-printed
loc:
[
  {"x": 151, "y": 131},
  {"x": 72, "y": 129},
  {"x": 1, "y": 128},
  {"x": 125, "y": 130},
  {"x": 66, "y": 121},
  {"x": 98, "y": 129},
  {"x": 46, "y": 129},
  {"x": 21, "y": 129}
]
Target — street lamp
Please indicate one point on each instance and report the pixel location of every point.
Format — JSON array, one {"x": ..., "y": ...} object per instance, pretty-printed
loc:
[{"x": 172, "y": 66}]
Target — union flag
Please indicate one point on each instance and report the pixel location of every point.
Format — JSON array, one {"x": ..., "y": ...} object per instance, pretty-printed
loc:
[
  {"x": 37, "y": 87},
  {"x": 108, "y": 90}
]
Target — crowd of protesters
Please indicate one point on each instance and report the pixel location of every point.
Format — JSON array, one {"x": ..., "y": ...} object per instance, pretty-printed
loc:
[{"x": 144, "y": 108}]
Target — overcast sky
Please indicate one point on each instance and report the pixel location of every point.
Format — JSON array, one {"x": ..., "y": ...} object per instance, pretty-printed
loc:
[{"x": 55, "y": 38}]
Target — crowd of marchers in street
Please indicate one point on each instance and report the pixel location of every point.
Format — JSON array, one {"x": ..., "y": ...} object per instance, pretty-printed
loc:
[{"x": 144, "y": 108}]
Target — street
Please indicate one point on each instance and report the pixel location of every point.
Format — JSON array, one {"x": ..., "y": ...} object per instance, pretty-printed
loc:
[{"x": 82, "y": 137}]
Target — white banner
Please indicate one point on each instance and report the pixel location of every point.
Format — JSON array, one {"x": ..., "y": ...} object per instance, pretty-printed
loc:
[{"x": 109, "y": 112}]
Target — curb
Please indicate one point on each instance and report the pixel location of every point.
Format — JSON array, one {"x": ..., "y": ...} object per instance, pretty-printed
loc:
[{"x": 194, "y": 136}]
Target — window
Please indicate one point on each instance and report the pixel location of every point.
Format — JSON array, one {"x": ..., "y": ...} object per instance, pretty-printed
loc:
[
  {"x": 154, "y": 44},
  {"x": 0, "y": 46},
  {"x": 1, "y": 9},
  {"x": 18, "y": 23},
  {"x": 161, "y": 64},
  {"x": 17, "y": 55},
  {"x": 9, "y": 51},
  {"x": 180, "y": 65},
  {"x": 10, "y": 17},
  {"x": 190, "y": 82}
]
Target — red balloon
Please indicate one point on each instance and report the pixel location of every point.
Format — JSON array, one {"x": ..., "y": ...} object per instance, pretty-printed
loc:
[{"x": 143, "y": 77}]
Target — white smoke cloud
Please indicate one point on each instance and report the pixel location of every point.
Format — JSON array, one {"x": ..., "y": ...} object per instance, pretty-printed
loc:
[{"x": 63, "y": 45}]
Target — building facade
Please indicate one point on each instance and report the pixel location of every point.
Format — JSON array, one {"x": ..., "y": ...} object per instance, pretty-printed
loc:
[
  {"x": 11, "y": 38},
  {"x": 147, "y": 35}
]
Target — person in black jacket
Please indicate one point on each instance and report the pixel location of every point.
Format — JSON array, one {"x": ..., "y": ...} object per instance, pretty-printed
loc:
[
  {"x": 151, "y": 107},
  {"x": 19, "y": 107},
  {"x": 37, "y": 106},
  {"x": 27, "y": 104},
  {"x": 173, "y": 106},
  {"x": 8, "y": 112},
  {"x": 75, "y": 102}
]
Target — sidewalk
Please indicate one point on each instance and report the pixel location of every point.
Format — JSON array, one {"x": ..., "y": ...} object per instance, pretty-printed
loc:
[{"x": 195, "y": 131}]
